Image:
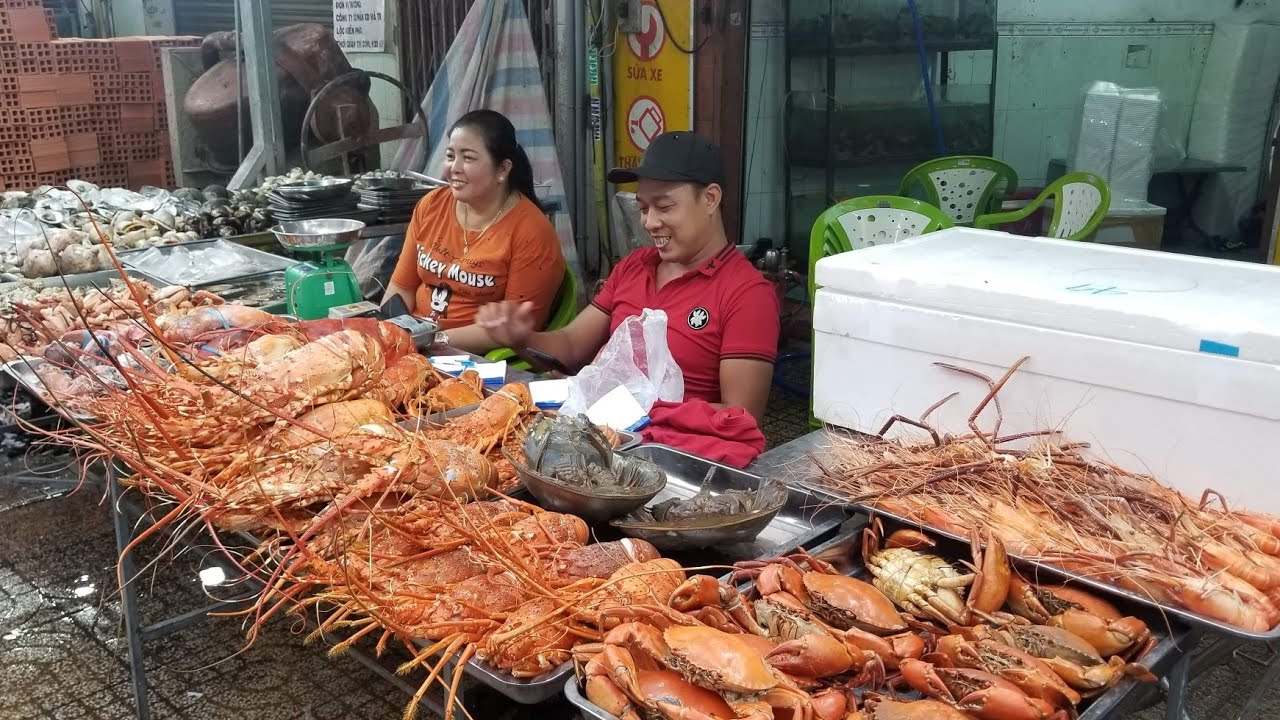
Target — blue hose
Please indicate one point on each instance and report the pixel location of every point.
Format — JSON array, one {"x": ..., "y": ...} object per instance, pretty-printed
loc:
[{"x": 928, "y": 83}]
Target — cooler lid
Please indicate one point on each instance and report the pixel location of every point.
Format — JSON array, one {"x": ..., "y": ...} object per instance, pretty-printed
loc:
[{"x": 1160, "y": 299}]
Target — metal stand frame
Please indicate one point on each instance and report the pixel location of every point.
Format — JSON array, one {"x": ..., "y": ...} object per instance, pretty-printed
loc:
[
  {"x": 266, "y": 157},
  {"x": 1220, "y": 648}
]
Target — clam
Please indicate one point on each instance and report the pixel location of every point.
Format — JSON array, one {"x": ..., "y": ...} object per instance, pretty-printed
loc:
[{"x": 163, "y": 218}]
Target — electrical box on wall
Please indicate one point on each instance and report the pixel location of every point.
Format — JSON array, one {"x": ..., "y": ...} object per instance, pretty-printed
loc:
[{"x": 629, "y": 20}]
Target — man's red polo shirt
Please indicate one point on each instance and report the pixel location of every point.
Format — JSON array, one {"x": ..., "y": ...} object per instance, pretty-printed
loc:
[{"x": 723, "y": 310}]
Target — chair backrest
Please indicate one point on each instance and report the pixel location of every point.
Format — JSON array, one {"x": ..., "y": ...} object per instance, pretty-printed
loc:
[
  {"x": 867, "y": 221},
  {"x": 564, "y": 308},
  {"x": 1080, "y": 203},
  {"x": 962, "y": 186}
]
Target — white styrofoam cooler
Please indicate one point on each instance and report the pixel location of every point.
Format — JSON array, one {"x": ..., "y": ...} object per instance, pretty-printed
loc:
[{"x": 1166, "y": 364}]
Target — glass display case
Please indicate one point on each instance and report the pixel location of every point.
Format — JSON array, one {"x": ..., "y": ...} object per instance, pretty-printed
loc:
[{"x": 857, "y": 115}]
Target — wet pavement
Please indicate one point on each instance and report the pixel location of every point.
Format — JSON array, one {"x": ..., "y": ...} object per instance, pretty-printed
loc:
[{"x": 62, "y": 654}]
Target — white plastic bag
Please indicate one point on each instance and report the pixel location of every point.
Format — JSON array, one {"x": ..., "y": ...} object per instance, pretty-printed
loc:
[{"x": 637, "y": 358}]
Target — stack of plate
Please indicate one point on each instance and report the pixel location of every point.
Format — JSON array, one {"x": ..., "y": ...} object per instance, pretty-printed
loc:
[
  {"x": 313, "y": 199},
  {"x": 394, "y": 202}
]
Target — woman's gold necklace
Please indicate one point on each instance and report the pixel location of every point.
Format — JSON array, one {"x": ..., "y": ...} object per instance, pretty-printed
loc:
[{"x": 466, "y": 221}]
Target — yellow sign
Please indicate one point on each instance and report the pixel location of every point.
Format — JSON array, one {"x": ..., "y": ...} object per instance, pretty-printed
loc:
[{"x": 653, "y": 78}]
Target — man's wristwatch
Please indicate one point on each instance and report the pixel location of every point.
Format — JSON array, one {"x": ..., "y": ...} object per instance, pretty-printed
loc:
[{"x": 442, "y": 338}]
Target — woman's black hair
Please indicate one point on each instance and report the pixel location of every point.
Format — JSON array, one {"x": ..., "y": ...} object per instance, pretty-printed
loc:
[{"x": 499, "y": 137}]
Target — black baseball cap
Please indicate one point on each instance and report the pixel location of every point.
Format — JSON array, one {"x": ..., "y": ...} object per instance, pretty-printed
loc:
[{"x": 676, "y": 157}]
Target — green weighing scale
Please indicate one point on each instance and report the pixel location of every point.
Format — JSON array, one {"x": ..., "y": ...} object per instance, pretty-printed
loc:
[{"x": 325, "y": 280}]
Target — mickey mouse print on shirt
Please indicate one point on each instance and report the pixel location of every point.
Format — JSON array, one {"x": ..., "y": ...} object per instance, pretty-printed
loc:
[{"x": 517, "y": 259}]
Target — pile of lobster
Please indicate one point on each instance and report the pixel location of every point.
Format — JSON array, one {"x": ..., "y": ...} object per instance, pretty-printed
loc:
[
  {"x": 922, "y": 639},
  {"x": 1051, "y": 503},
  {"x": 235, "y": 420}
]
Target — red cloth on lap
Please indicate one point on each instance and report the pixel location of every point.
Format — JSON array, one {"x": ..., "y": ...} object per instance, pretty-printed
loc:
[{"x": 730, "y": 436}]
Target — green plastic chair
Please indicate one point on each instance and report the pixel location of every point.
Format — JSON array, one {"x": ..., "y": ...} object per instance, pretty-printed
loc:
[
  {"x": 962, "y": 186},
  {"x": 564, "y": 308},
  {"x": 868, "y": 221},
  {"x": 1080, "y": 204},
  {"x": 861, "y": 223}
]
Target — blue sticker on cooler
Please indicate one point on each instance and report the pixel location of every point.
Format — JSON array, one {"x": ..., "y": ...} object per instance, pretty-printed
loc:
[{"x": 1217, "y": 348}]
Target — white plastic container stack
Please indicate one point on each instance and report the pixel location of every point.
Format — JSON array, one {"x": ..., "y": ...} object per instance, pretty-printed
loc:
[
  {"x": 1116, "y": 139},
  {"x": 1229, "y": 121},
  {"x": 1135, "y": 147},
  {"x": 1094, "y": 141},
  {"x": 1165, "y": 363}
]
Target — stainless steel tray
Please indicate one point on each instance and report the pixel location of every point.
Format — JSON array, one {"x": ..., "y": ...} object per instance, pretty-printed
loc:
[
  {"x": 1172, "y": 640},
  {"x": 259, "y": 291},
  {"x": 101, "y": 278},
  {"x": 263, "y": 262},
  {"x": 803, "y": 521},
  {"x": 23, "y": 371},
  {"x": 1052, "y": 572}
]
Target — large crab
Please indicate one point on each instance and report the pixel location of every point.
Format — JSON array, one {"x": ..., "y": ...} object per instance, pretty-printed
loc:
[
  {"x": 1095, "y": 620},
  {"x": 703, "y": 658},
  {"x": 1029, "y": 673},
  {"x": 976, "y": 692},
  {"x": 864, "y": 618},
  {"x": 929, "y": 586},
  {"x": 1068, "y": 655}
]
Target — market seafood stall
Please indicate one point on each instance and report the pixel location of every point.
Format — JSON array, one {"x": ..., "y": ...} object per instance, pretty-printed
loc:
[{"x": 306, "y": 545}]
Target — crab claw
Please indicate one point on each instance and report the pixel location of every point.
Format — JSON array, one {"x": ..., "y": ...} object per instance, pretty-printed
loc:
[
  {"x": 924, "y": 679},
  {"x": 697, "y": 592},
  {"x": 776, "y": 578},
  {"x": 814, "y": 655},
  {"x": 1108, "y": 637},
  {"x": 1002, "y": 702},
  {"x": 991, "y": 580}
]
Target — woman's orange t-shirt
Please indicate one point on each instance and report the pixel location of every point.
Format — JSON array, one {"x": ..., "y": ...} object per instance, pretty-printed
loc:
[{"x": 518, "y": 259}]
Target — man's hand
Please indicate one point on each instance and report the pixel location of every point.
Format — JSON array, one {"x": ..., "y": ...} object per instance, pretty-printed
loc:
[{"x": 508, "y": 323}]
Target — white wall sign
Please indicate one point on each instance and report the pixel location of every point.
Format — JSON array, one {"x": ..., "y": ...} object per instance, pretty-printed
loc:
[{"x": 360, "y": 25}]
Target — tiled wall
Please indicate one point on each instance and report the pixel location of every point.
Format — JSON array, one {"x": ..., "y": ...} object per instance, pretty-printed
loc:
[{"x": 1042, "y": 69}]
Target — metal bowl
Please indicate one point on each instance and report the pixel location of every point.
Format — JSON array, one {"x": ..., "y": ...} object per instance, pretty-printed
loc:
[
  {"x": 317, "y": 233},
  {"x": 596, "y": 507},
  {"x": 708, "y": 530},
  {"x": 389, "y": 183},
  {"x": 323, "y": 189}
]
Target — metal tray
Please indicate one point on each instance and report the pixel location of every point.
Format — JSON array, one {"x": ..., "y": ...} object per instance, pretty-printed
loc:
[
  {"x": 1049, "y": 571},
  {"x": 803, "y": 521},
  {"x": 259, "y": 291},
  {"x": 1172, "y": 640},
  {"x": 264, "y": 262},
  {"x": 23, "y": 372},
  {"x": 101, "y": 278}
]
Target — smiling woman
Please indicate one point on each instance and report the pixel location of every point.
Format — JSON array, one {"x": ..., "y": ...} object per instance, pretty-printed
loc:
[{"x": 483, "y": 239}]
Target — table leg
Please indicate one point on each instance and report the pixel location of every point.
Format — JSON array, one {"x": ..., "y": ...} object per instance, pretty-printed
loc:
[
  {"x": 1187, "y": 199},
  {"x": 129, "y": 599},
  {"x": 1176, "y": 703}
]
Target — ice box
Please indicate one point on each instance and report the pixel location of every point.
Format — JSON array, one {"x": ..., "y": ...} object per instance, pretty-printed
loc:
[{"x": 1167, "y": 364}]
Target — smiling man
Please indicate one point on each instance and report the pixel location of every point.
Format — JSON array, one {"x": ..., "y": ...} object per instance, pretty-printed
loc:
[{"x": 722, "y": 315}]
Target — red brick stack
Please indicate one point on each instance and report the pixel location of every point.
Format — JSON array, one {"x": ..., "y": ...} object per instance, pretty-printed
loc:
[{"x": 74, "y": 108}]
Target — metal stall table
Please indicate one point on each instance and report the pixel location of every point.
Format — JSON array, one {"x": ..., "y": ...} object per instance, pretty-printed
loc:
[{"x": 1202, "y": 644}]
